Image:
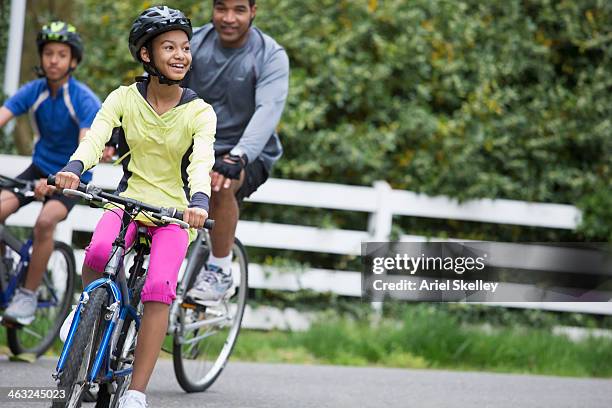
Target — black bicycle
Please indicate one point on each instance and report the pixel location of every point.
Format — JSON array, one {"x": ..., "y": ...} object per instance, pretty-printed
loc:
[
  {"x": 204, "y": 335},
  {"x": 55, "y": 294}
]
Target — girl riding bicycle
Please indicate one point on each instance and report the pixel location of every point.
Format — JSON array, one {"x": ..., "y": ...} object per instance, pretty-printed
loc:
[{"x": 166, "y": 145}]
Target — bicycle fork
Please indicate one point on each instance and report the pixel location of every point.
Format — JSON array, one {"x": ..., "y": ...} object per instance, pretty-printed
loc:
[
  {"x": 182, "y": 287},
  {"x": 111, "y": 317}
]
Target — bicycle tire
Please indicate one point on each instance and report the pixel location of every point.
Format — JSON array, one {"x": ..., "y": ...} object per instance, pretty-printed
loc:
[
  {"x": 123, "y": 382},
  {"x": 91, "y": 395},
  {"x": 84, "y": 346},
  {"x": 185, "y": 379},
  {"x": 48, "y": 320}
]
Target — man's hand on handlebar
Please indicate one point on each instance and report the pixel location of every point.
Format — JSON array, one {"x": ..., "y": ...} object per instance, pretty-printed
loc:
[
  {"x": 195, "y": 217},
  {"x": 107, "y": 154},
  {"x": 66, "y": 179}
]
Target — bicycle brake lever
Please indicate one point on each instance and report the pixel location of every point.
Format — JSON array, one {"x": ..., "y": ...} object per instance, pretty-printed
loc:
[
  {"x": 169, "y": 220},
  {"x": 76, "y": 193}
]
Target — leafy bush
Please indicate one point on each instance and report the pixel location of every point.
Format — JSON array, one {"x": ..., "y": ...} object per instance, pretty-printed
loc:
[
  {"x": 5, "y": 15},
  {"x": 469, "y": 99}
]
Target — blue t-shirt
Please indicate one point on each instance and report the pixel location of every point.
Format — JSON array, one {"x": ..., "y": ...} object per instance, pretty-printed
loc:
[{"x": 56, "y": 120}]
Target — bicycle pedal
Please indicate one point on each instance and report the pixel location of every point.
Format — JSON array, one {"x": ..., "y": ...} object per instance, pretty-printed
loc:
[
  {"x": 186, "y": 305},
  {"x": 10, "y": 323},
  {"x": 193, "y": 305}
]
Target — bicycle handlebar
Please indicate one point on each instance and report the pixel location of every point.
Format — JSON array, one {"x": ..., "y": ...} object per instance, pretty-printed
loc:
[
  {"x": 25, "y": 187},
  {"x": 91, "y": 192}
]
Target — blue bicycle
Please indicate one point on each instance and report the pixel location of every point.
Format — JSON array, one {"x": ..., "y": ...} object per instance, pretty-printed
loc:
[
  {"x": 55, "y": 294},
  {"x": 100, "y": 345}
]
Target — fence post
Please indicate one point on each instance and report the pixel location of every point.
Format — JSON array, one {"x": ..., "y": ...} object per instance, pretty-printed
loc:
[
  {"x": 63, "y": 232},
  {"x": 382, "y": 218},
  {"x": 379, "y": 226}
]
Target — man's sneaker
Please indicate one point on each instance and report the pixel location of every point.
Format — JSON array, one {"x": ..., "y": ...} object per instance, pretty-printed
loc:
[
  {"x": 65, "y": 329},
  {"x": 133, "y": 399},
  {"x": 22, "y": 307},
  {"x": 211, "y": 286}
]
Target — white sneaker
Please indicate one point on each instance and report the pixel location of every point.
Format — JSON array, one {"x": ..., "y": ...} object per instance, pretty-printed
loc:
[
  {"x": 65, "y": 329},
  {"x": 212, "y": 285},
  {"x": 22, "y": 308},
  {"x": 133, "y": 399}
]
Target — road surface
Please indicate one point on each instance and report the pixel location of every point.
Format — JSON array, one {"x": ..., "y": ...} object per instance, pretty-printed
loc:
[{"x": 254, "y": 385}]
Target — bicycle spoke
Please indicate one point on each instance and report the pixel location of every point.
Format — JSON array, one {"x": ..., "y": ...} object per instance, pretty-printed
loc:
[
  {"x": 32, "y": 332},
  {"x": 206, "y": 338},
  {"x": 53, "y": 300},
  {"x": 198, "y": 338}
]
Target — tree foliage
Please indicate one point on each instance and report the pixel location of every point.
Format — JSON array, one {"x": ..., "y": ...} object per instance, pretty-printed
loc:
[
  {"x": 5, "y": 13},
  {"x": 467, "y": 99},
  {"x": 463, "y": 98}
]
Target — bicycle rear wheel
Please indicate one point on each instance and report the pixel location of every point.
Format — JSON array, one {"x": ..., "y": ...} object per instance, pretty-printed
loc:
[
  {"x": 85, "y": 344},
  {"x": 200, "y": 354},
  {"x": 55, "y": 295}
]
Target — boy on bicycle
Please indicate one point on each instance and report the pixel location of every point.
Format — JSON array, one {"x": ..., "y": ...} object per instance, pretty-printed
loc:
[
  {"x": 62, "y": 110},
  {"x": 167, "y": 140}
]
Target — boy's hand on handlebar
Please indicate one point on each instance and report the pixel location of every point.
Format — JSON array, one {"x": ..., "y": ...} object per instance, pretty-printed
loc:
[
  {"x": 195, "y": 217},
  {"x": 66, "y": 179},
  {"x": 41, "y": 189}
]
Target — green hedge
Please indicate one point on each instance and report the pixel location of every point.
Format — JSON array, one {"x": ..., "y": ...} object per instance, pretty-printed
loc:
[
  {"x": 464, "y": 98},
  {"x": 5, "y": 16}
]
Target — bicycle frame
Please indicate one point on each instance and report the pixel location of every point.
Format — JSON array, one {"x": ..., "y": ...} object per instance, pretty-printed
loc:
[
  {"x": 23, "y": 249},
  {"x": 203, "y": 236},
  {"x": 121, "y": 305},
  {"x": 114, "y": 281}
]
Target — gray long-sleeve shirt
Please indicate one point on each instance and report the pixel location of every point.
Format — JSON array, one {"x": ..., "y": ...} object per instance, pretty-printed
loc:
[{"x": 247, "y": 88}]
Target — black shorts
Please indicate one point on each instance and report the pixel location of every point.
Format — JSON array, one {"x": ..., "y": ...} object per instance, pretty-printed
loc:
[
  {"x": 33, "y": 173},
  {"x": 255, "y": 174}
]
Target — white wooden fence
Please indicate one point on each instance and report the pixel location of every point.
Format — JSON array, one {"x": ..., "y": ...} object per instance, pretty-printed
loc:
[{"x": 380, "y": 201}]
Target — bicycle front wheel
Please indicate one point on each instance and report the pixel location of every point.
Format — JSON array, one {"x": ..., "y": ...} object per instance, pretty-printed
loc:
[
  {"x": 79, "y": 361},
  {"x": 207, "y": 334},
  {"x": 55, "y": 295}
]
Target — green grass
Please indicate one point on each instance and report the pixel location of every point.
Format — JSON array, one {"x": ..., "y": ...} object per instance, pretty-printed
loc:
[
  {"x": 425, "y": 336},
  {"x": 431, "y": 338}
]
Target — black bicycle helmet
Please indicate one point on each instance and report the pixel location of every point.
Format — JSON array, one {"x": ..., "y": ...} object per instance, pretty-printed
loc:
[
  {"x": 152, "y": 22},
  {"x": 59, "y": 31}
]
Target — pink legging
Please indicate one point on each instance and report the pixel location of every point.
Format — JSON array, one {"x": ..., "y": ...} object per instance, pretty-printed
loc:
[{"x": 168, "y": 248}]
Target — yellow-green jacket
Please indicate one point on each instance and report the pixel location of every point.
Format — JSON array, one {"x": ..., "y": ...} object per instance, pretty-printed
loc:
[{"x": 166, "y": 158}]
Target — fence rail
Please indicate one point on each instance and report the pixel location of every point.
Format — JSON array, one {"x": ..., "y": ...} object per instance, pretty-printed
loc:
[{"x": 380, "y": 202}]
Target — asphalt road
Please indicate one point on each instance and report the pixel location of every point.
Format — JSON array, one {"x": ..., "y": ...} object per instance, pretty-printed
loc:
[{"x": 251, "y": 385}]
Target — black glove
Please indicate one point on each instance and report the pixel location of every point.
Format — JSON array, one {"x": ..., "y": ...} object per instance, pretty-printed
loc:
[{"x": 230, "y": 165}]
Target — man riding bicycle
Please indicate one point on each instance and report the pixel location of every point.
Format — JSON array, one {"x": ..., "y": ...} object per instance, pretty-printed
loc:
[
  {"x": 62, "y": 110},
  {"x": 244, "y": 74}
]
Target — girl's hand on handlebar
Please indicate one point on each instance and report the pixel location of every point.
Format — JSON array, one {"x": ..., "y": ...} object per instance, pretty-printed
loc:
[
  {"x": 195, "y": 217},
  {"x": 66, "y": 179}
]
